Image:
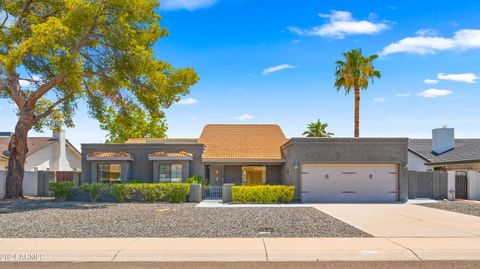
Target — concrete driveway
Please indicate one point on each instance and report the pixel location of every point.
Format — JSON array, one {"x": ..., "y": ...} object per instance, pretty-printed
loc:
[{"x": 403, "y": 220}]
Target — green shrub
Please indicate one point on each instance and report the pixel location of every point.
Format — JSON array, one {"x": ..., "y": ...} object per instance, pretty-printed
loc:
[
  {"x": 197, "y": 180},
  {"x": 151, "y": 192},
  {"x": 135, "y": 181},
  {"x": 93, "y": 190},
  {"x": 176, "y": 192},
  {"x": 61, "y": 190},
  {"x": 264, "y": 194},
  {"x": 121, "y": 192}
]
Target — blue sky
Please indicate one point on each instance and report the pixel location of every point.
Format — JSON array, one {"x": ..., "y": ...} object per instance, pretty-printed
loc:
[{"x": 273, "y": 62}]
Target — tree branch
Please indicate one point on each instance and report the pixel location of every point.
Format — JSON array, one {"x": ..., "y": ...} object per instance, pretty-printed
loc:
[
  {"x": 51, "y": 108},
  {"x": 5, "y": 20},
  {"x": 45, "y": 88},
  {"x": 60, "y": 78},
  {"x": 17, "y": 95},
  {"x": 29, "y": 80}
]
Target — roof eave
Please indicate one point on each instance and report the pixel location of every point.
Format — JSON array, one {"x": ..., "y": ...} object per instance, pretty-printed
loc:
[
  {"x": 418, "y": 154},
  {"x": 109, "y": 158},
  {"x": 242, "y": 160},
  {"x": 454, "y": 162},
  {"x": 151, "y": 158}
]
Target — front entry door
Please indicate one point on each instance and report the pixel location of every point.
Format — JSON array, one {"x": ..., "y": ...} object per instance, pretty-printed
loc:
[
  {"x": 461, "y": 185},
  {"x": 216, "y": 175}
]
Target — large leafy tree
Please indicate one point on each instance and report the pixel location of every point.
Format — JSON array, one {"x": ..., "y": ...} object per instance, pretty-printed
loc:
[
  {"x": 317, "y": 129},
  {"x": 355, "y": 72},
  {"x": 54, "y": 53}
]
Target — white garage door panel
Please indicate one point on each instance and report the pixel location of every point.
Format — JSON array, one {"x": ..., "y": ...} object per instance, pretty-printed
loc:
[{"x": 349, "y": 182}]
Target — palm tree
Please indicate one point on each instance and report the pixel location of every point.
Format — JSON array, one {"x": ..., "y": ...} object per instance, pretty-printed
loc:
[
  {"x": 355, "y": 72},
  {"x": 317, "y": 129}
]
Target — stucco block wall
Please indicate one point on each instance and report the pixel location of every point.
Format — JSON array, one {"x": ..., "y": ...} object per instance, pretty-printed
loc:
[
  {"x": 274, "y": 174},
  {"x": 473, "y": 179},
  {"x": 232, "y": 174},
  {"x": 141, "y": 167},
  {"x": 300, "y": 151}
]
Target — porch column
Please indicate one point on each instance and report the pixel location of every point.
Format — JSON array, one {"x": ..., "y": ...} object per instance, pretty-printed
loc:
[{"x": 451, "y": 185}]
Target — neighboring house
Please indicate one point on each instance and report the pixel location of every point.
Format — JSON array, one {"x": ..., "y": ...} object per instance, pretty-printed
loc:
[
  {"x": 459, "y": 157},
  {"x": 321, "y": 169},
  {"x": 44, "y": 153}
]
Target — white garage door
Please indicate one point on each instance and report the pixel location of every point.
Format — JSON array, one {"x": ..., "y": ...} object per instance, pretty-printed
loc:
[{"x": 349, "y": 182}]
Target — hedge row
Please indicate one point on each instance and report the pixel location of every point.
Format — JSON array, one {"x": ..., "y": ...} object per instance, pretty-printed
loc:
[
  {"x": 144, "y": 192},
  {"x": 264, "y": 194}
]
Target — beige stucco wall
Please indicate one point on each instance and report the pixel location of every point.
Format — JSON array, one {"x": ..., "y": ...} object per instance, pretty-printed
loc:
[
  {"x": 473, "y": 178},
  {"x": 3, "y": 165}
]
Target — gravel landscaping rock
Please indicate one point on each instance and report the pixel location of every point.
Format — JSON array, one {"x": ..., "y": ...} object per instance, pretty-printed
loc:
[
  {"x": 464, "y": 207},
  {"x": 45, "y": 218}
]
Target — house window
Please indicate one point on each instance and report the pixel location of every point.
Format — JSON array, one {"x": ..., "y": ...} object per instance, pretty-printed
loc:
[
  {"x": 254, "y": 175},
  {"x": 109, "y": 173},
  {"x": 170, "y": 172}
]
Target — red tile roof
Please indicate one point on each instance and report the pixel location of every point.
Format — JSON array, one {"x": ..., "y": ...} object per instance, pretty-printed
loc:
[
  {"x": 103, "y": 154},
  {"x": 170, "y": 154},
  {"x": 160, "y": 140},
  {"x": 242, "y": 142}
]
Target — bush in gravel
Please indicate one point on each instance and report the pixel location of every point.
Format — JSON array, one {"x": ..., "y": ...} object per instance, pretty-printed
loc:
[
  {"x": 121, "y": 192},
  {"x": 151, "y": 192},
  {"x": 93, "y": 190},
  {"x": 264, "y": 194},
  {"x": 176, "y": 192},
  {"x": 61, "y": 190}
]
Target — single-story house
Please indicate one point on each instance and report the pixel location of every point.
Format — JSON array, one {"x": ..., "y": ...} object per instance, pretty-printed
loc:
[
  {"x": 459, "y": 157},
  {"x": 321, "y": 169},
  {"x": 53, "y": 153}
]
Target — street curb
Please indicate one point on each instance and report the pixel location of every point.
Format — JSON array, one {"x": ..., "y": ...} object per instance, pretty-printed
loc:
[{"x": 250, "y": 265}]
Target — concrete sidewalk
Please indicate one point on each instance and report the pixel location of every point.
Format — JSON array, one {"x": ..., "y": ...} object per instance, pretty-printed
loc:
[{"x": 239, "y": 249}]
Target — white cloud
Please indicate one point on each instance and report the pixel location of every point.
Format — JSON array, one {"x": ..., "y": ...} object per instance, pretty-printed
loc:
[
  {"x": 379, "y": 99},
  {"x": 433, "y": 93},
  {"x": 341, "y": 24},
  {"x": 465, "y": 39},
  {"x": 25, "y": 83},
  {"x": 244, "y": 117},
  {"x": 188, "y": 101},
  {"x": 404, "y": 94},
  {"x": 467, "y": 77},
  {"x": 189, "y": 5},
  {"x": 426, "y": 32},
  {"x": 430, "y": 81},
  {"x": 277, "y": 68}
]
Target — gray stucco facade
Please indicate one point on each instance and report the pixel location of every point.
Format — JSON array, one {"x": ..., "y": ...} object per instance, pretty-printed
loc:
[
  {"x": 141, "y": 168},
  {"x": 299, "y": 151},
  {"x": 296, "y": 152}
]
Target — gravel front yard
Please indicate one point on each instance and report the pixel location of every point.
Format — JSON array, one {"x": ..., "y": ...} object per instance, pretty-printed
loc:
[
  {"x": 464, "y": 207},
  {"x": 76, "y": 219}
]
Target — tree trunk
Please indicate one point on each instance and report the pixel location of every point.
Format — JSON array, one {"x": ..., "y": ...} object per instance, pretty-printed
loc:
[
  {"x": 357, "y": 112},
  {"x": 18, "y": 149}
]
